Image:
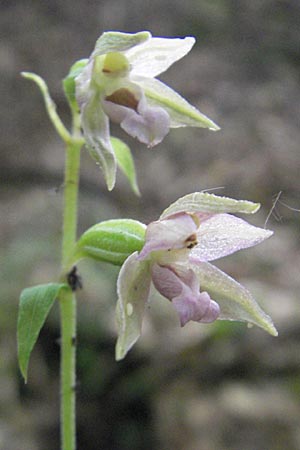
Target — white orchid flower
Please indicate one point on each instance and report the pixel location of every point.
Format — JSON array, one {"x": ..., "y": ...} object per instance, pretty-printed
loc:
[{"x": 118, "y": 83}]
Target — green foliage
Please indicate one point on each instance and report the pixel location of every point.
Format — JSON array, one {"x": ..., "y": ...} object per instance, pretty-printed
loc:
[
  {"x": 111, "y": 241},
  {"x": 35, "y": 305},
  {"x": 125, "y": 163}
]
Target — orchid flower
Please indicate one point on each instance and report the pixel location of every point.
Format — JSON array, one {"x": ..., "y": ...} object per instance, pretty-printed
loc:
[
  {"x": 118, "y": 83},
  {"x": 175, "y": 258}
]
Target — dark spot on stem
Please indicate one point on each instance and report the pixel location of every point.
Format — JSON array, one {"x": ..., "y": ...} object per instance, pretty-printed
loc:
[{"x": 74, "y": 279}]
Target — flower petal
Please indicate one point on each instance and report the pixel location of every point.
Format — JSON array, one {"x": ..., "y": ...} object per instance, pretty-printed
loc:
[
  {"x": 223, "y": 234},
  {"x": 133, "y": 291},
  {"x": 181, "y": 113},
  {"x": 209, "y": 203},
  {"x": 96, "y": 132},
  {"x": 236, "y": 302},
  {"x": 169, "y": 234},
  {"x": 157, "y": 54},
  {"x": 114, "y": 41}
]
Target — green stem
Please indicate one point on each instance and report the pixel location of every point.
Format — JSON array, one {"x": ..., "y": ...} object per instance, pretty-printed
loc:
[
  {"x": 67, "y": 297},
  {"x": 70, "y": 201},
  {"x": 68, "y": 370}
]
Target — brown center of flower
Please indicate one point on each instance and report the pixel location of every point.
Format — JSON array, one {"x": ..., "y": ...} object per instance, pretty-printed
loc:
[
  {"x": 123, "y": 97},
  {"x": 191, "y": 241}
]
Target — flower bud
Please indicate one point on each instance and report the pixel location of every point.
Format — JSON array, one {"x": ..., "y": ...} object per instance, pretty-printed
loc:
[{"x": 111, "y": 241}]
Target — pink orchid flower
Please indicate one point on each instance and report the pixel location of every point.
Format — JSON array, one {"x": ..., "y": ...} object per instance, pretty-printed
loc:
[{"x": 176, "y": 260}]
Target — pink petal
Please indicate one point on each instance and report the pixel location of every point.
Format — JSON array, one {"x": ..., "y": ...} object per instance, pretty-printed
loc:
[
  {"x": 223, "y": 234},
  {"x": 169, "y": 234},
  {"x": 190, "y": 307},
  {"x": 212, "y": 312}
]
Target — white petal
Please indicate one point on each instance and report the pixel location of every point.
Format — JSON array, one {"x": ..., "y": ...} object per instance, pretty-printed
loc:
[
  {"x": 181, "y": 112},
  {"x": 223, "y": 234},
  {"x": 157, "y": 54},
  {"x": 133, "y": 291},
  {"x": 235, "y": 300}
]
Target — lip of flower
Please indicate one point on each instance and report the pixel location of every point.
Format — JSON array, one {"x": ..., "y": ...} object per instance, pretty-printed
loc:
[
  {"x": 182, "y": 288},
  {"x": 118, "y": 83},
  {"x": 148, "y": 124}
]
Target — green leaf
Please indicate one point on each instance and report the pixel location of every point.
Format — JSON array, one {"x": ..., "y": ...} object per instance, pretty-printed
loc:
[
  {"x": 35, "y": 305},
  {"x": 114, "y": 41},
  {"x": 235, "y": 301},
  {"x": 111, "y": 241},
  {"x": 69, "y": 83},
  {"x": 126, "y": 163},
  {"x": 209, "y": 203}
]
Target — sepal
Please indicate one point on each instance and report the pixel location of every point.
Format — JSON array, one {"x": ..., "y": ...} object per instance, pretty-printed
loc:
[
  {"x": 69, "y": 84},
  {"x": 209, "y": 203},
  {"x": 115, "y": 41},
  {"x": 235, "y": 301},
  {"x": 181, "y": 112},
  {"x": 133, "y": 290}
]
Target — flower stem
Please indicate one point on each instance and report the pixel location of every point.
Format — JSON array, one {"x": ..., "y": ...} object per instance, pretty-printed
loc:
[{"x": 67, "y": 297}]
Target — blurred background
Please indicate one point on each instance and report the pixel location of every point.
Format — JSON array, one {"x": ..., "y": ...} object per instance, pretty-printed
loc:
[{"x": 204, "y": 387}]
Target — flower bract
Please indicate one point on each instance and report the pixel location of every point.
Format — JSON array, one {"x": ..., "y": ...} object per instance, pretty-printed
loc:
[
  {"x": 118, "y": 83},
  {"x": 176, "y": 259}
]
